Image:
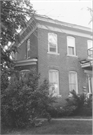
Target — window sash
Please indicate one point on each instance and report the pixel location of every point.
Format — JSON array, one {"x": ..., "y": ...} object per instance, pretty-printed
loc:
[
  {"x": 52, "y": 43},
  {"x": 54, "y": 82},
  {"x": 90, "y": 48},
  {"x": 71, "y": 50},
  {"x": 73, "y": 81},
  {"x": 28, "y": 48},
  {"x": 90, "y": 44},
  {"x": 28, "y": 45},
  {"x": 71, "y": 46}
]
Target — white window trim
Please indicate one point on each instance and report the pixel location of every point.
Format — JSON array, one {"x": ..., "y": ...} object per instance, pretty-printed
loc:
[
  {"x": 49, "y": 52},
  {"x": 53, "y": 53},
  {"x": 53, "y": 70},
  {"x": 73, "y": 46},
  {"x": 76, "y": 80}
]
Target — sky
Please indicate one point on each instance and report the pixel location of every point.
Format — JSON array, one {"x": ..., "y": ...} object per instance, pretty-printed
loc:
[{"x": 71, "y": 11}]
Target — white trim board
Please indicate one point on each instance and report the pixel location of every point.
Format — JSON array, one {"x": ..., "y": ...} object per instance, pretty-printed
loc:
[
  {"x": 64, "y": 31},
  {"x": 50, "y": 20},
  {"x": 26, "y": 60},
  {"x": 25, "y": 64}
]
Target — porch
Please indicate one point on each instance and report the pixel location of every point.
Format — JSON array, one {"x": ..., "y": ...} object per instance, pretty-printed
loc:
[{"x": 87, "y": 66}]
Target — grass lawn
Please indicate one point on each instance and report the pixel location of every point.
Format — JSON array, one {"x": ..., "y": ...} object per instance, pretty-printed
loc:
[{"x": 58, "y": 127}]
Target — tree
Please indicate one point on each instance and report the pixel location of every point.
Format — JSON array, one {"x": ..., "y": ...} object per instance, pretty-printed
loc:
[
  {"x": 91, "y": 13},
  {"x": 24, "y": 100},
  {"x": 14, "y": 16}
]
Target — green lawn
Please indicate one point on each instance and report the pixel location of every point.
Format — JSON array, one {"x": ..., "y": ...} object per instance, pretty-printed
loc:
[{"x": 58, "y": 127}]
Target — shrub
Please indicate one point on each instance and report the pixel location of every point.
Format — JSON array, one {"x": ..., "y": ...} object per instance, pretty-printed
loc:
[
  {"x": 24, "y": 100},
  {"x": 79, "y": 104}
]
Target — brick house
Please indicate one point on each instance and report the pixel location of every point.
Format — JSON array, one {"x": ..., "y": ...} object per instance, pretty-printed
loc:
[{"x": 60, "y": 52}]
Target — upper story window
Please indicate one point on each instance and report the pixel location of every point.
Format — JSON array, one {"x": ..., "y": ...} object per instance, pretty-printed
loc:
[
  {"x": 28, "y": 48},
  {"x": 90, "y": 48},
  {"x": 71, "y": 50},
  {"x": 73, "y": 84},
  {"x": 54, "y": 82},
  {"x": 52, "y": 43}
]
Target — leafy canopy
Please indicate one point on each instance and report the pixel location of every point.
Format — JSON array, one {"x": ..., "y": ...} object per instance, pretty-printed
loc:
[{"x": 14, "y": 16}]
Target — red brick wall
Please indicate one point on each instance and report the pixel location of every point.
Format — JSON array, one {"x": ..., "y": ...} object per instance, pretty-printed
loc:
[
  {"x": 22, "y": 50},
  {"x": 61, "y": 62}
]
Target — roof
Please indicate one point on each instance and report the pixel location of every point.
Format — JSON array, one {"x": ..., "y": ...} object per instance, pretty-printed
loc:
[
  {"x": 57, "y": 23},
  {"x": 54, "y": 21}
]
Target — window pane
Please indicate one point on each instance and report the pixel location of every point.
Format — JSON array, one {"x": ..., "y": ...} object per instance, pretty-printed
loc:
[
  {"x": 90, "y": 53},
  {"x": 28, "y": 48},
  {"x": 52, "y": 49},
  {"x": 52, "y": 38},
  {"x": 72, "y": 87},
  {"x": 72, "y": 81},
  {"x": 52, "y": 42},
  {"x": 90, "y": 44},
  {"x": 28, "y": 44},
  {"x": 71, "y": 45},
  {"x": 71, "y": 41},
  {"x": 71, "y": 50},
  {"x": 54, "y": 79},
  {"x": 90, "y": 48}
]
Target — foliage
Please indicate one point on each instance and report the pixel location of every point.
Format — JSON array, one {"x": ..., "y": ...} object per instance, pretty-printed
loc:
[
  {"x": 79, "y": 104},
  {"x": 24, "y": 100},
  {"x": 13, "y": 18},
  {"x": 76, "y": 105},
  {"x": 91, "y": 13}
]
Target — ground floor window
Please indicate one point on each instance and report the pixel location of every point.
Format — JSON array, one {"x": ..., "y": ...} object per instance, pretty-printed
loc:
[
  {"x": 73, "y": 81},
  {"x": 90, "y": 84},
  {"x": 54, "y": 82}
]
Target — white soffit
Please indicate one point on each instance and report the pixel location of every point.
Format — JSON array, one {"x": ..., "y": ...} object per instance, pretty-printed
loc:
[
  {"x": 50, "y": 20},
  {"x": 47, "y": 27}
]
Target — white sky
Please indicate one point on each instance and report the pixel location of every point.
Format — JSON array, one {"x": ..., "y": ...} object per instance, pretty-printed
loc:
[{"x": 72, "y": 11}]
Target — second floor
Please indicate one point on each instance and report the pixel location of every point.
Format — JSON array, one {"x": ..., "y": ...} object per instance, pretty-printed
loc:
[{"x": 51, "y": 39}]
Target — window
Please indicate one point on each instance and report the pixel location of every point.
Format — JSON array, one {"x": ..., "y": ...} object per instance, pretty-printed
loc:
[
  {"x": 90, "y": 48},
  {"x": 54, "y": 82},
  {"x": 90, "y": 84},
  {"x": 28, "y": 48},
  {"x": 52, "y": 43},
  {"x": 71, "y": 46},
  {"x": 73, "y": 81}
]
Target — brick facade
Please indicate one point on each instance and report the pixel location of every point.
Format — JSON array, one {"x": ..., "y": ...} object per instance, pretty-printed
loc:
[{"x": 61, "y": 62}]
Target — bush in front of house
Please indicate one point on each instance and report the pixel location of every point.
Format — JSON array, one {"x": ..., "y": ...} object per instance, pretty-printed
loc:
[
  {"x": 79, "y": 104},
  {"x": 24, "y": 100},
  {"x": 76, "y": 105}
]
